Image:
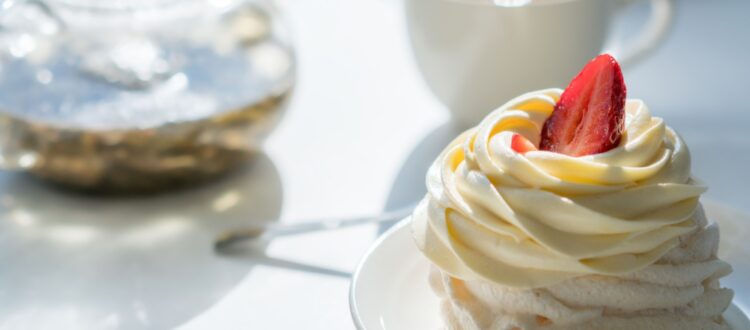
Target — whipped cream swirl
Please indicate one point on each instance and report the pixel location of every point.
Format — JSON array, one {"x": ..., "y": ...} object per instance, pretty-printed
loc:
[{"x": 536, "y": 219}]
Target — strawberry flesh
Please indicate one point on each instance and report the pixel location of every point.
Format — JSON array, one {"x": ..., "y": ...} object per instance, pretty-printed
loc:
[
  {"x": 589, "y": 117},
  {"x": 521, "y": 144}
]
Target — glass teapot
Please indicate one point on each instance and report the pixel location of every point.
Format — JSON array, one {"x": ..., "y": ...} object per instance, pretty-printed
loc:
[{"x": 132, "y": 95}]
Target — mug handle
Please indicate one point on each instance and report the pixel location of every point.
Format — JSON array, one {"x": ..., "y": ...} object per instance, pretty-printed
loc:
[{"x": 657, "y": 27}]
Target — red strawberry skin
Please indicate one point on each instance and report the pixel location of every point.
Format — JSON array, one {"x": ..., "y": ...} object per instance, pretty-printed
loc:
[
  {"x": 589, "y": 117},
  {"x": 521, "y": 145}
]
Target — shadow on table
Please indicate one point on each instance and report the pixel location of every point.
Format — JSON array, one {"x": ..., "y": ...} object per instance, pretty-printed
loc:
[
  {"x": 75, "y": 261},
  {"x": 252, "y": 252},
  {"x": 409, "y": 186}
]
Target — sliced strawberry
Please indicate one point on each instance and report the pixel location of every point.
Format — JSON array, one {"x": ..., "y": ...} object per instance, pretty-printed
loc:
[
  {"x": 589, "y": 117},
  {"x": 521, "y": 144}
]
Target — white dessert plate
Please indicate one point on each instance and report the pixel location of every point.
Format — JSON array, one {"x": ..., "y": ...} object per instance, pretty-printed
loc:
[{"x": 390, "y": 291}]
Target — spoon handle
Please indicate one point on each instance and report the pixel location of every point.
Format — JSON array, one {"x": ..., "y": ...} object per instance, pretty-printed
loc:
[{"x": 234, "y": 236}]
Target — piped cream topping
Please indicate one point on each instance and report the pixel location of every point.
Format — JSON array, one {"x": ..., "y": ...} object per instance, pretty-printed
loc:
[{"x": 535, "y": 219}]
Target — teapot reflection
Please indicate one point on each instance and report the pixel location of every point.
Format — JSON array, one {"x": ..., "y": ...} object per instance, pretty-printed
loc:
[{"x": 79, "y": 261}]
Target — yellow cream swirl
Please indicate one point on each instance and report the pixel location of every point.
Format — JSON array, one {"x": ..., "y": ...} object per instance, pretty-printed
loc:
[{"x": 539, "y": 218}]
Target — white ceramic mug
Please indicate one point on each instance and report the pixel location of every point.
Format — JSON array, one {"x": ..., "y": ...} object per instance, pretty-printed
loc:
[{"x": 477, "y": 54}]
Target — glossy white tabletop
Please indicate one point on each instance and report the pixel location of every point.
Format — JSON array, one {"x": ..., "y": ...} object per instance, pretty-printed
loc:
[{"x": 358, "y": 136}]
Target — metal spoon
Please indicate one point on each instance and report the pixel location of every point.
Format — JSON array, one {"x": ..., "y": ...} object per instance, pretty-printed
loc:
[{"x": 269, "y": 230}]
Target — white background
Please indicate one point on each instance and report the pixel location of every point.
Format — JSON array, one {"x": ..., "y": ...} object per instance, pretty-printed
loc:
[{"x": 357, "y": 137}]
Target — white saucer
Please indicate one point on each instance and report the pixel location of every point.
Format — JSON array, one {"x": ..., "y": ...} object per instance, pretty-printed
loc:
[{"x": 389, "y": 289}]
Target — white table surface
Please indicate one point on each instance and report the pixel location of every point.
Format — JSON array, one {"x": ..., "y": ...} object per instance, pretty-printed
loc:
[{"x": 357, "y": 138}]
